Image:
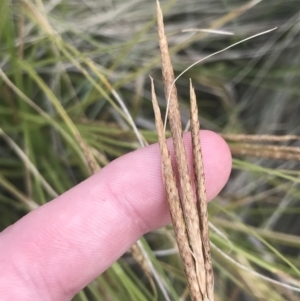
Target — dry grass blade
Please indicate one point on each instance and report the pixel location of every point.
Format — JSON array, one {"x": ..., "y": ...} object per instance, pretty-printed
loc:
[
  {"x": 201, "y": 193},
  {"x": 175, "y": 205},
  {"x": 222, "y": 32}
]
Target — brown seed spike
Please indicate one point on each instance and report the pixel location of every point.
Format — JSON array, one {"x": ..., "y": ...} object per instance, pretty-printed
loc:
[
  {"x": 188, "y": 202},
  {"x": 201, "y": 193},
  {"x": 175, "y": 206}
]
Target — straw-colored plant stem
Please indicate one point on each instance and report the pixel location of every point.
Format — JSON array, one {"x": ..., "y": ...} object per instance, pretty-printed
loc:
[{"x": 189, "y": 218}]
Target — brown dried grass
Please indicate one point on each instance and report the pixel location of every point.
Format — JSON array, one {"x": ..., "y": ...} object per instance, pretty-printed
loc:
[{"x": 189, "y": 216}]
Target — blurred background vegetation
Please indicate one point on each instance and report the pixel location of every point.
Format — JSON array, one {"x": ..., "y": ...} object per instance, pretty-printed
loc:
[{"x": 74, "y": 83}]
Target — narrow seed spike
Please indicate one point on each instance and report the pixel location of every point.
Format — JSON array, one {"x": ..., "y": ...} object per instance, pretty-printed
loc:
[
  {"x": 201, "y": 193},
  {"x": 174, "y": 204},
  {"x": 195, "y": 218},
  {"x": 259, "y": 138},
  {"x": 241, "y": 151},
  {"x": 187, "y": 200}
]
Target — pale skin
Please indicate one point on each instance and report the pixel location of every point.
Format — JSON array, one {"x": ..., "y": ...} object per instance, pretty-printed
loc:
[{"x": 56, "y": 250}]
